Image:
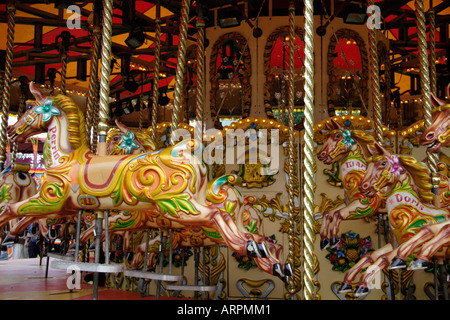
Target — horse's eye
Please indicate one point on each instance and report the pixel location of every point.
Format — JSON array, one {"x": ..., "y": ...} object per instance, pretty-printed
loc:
[
  {"x": 116, "y": 138},
  {"x": 383, "y": 163},
  {"x": 338, "y": 135},
  {"x": 29, "y": 106}
]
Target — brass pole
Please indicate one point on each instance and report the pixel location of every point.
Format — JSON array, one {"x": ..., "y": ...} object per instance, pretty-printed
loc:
[
  {"x": 155, "y": 95},
  {"x": 308, "y": 186},
  {"x": 105, "y": 73},
  {"x": 375, "y": 81},
  {"x": 426, "y": 95},
  {"x": 11, "y": 8},
  {"x": 291, "y": 147},
  {"x": 181, "y": 65}
]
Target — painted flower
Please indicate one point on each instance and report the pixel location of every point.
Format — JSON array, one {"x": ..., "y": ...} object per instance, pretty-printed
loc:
[
  {"x": 47, "y": 110},
  {"x": 350, "y": 249},
  {"x": 348, "y": 140},
  {"x": 128, "y": 142},
  {"x": 396, "y": 168}
]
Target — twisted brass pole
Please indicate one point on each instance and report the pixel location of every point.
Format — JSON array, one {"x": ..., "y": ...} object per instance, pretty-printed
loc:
[
  {"x": 308, "y": 186},
  {"x": 200, "y": 81},
  {"x": 93, "y": 86},
  {"x": 181, "y": 64},
  {"x": 291, "y": 159},
  {"x": 425, "y": 87},
  {"x": 432, "y": 42},
  {"x": 155, "y": 95},
  {"x": 7, "y": 80},
  {"x": 105, "y": 73},
  {"x": 13, "y": 155},
  {"x": 375, "y": 81},
  {"x": 64, "y": 73}
]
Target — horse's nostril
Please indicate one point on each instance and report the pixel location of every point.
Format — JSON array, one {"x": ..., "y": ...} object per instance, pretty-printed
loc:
[{"x": 430, "y": 136}]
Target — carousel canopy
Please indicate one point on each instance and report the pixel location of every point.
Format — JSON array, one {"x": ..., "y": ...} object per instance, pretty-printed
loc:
[{"x": 45, "y": 29}]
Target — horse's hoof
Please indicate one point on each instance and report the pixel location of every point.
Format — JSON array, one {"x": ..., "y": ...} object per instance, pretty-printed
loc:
[
  {"x": 262, "y": 249},
  {"x": 288, "y": 270},
  {"x": 334, "y": 242},
  {"x": 345, "y": 288},
  {"x": 397, "y": 263},
  {"x": 418, "y": 264},
  {"x": 252, "y": 249},
  {"x": 360, "y": 291},
  {"x": 324, "y": 244},
  {"x": 277, "y": 270}
]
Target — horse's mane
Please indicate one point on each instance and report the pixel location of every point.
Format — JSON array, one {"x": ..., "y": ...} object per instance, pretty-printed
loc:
[
  {"x": 364, "y": 139},
  {"x": 142, "y": 137},
  {"x": 76, "y": 129},
  {"x": 420, "y": 174}
]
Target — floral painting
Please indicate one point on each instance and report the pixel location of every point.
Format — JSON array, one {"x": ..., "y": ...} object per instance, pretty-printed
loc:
[{"x": 350, "y": 249}]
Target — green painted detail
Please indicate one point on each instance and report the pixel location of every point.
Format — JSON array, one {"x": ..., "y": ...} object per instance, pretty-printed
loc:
[
  {"x": 4, "y": 193},
  {"x": 173, "y": 205},
  {"x": 212, "y": 234}
]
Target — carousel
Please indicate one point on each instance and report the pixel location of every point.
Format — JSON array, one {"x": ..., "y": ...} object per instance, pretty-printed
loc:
[{"x": 224, "y": 150}]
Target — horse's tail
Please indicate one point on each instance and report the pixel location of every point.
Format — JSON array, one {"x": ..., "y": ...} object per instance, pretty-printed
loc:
[{"x": 215, "y": 190}]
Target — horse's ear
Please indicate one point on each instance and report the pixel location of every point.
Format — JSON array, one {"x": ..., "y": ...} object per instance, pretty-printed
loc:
[
  {"x": 377, "y": 149},
  {"x": 122, "y": 127},
  {"x": 332, "y": 125},
  {"x": 448, "y": 91},
  {"x": 40, "y": 97},
  {"x": 436, "y": 102}
]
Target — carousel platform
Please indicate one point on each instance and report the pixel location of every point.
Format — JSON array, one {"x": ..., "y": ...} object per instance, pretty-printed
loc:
[{"x": 24, "y": 279}]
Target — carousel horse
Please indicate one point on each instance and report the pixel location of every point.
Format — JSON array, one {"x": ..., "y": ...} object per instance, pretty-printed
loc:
[
  {"x": 435, "y": 237},
  {"x": 17, "y": 184},
  {"x": 248, "y": 218},
  {"x": 350, "y": 149},
  {"x": 170, "y": 182},
  {"x": 409, "y": 201}
]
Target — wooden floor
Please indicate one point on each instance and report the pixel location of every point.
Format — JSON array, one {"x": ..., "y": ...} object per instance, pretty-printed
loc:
[{"x": 24, "y": 279}]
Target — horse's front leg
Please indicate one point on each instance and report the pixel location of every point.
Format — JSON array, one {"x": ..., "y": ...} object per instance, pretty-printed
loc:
[
  {"x": 367, "y": 277},
  {"x": 430, "y": 248},
  {"x": 407, "y": 248},
  {"x": 355, "y": 210},
  {"x": 247, "y": 244},
  {"x": 7, "y": 214},
  {"x": 365, "y": 261}
]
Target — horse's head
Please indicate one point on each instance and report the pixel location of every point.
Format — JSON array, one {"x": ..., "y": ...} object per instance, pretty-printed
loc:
[
  {"x": 125, "y": 141},
  {"x": 383, "y": 171},
  {"x": 338, "y": 143},
  {"x": 16, "y": 183},
  {"x": 437, "y": 134},
  {"x": 36, "y": 118}
]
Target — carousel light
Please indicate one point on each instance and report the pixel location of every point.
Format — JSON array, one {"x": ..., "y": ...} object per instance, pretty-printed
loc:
[
  {"x": 130, "y": 84},
  {"x": 128, "y": 108},
  {"x": 135, "y": 39},
  {"x": 229, "y": 17}
]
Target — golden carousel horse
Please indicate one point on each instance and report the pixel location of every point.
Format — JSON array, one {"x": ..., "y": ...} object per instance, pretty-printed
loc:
[
  {"x": 409, "y": 201},
  {"x": 432, "y": 240},
  {"x": 248, "y": 218},
  {"x": 170, "y": 183},
  {"x": 350, "y": 149}
]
